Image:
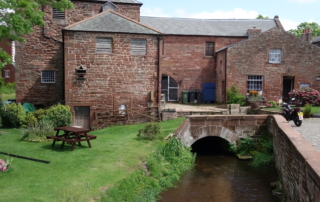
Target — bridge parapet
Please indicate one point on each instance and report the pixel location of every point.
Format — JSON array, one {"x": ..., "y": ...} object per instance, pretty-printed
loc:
[{"x": 228, "y": 127}]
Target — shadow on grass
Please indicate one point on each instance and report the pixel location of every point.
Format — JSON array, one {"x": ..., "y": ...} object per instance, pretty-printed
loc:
[{"x": 66, "y": 147}]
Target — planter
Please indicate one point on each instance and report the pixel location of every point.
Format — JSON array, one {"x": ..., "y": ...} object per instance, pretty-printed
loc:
[{"x": 254, "y": 105}]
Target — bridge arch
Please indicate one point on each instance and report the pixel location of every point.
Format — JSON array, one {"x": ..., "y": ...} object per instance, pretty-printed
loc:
[{"x": 230, "y": 128}]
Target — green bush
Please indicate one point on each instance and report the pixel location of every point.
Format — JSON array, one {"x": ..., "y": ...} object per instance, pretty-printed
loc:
[
  {"x": 59, "y": 115},
  {"x": 38, "y": 132},
  {"x": 162, "y": 169},
  {"x": 234, "y": 97},
  {"x": 307, "y": 110},
  {"x": 261, "y": 150},
  {"x": 12, "y": 115},
  {"x": 40, "y": 114},
  {"x": 151, "y": 131},
  {"x": 11, "y": 85},
  {"x": 30, "y": 119},
  {"x": 1, "y": 82}
]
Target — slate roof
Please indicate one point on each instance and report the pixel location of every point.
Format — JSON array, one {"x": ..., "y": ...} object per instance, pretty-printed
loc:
[
  {"x": 315, "y": 39},
  {"x": 110, "y": 21},
  {"x": 206, "y": 27}
]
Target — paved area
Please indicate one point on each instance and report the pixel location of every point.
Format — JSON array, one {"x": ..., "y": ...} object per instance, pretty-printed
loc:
[
  {"x": 195, "y": 108},
  {"x": 310, "y": 129}
]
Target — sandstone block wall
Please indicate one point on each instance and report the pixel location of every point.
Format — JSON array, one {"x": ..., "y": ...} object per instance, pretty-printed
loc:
[
  {"x": 298, "y": 58},
  {"x": 297, "y": 161},
  {"x": 183, "y": 58},
  {"x": 111, "y": 79}
]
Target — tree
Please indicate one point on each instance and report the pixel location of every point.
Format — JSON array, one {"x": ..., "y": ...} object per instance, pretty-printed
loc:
[
  {"x": 262, "y": 17},
  {"x": 18, "y": 17},
  {"x": 315, "y": 29}
]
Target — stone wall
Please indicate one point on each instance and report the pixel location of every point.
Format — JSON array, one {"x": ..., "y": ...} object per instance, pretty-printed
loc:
[
  {"x": 230, "y": 128},
  {"x": 297, "y": 161},
  {"x": 43, "y": 50},
  {"x": 299, "y": 59},
  {"x": 183, "y": 58},
  {"x": 111, "y": 79}
]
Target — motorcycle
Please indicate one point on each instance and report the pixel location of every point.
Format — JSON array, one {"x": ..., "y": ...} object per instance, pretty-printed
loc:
[{"x": 294, "y": 114}]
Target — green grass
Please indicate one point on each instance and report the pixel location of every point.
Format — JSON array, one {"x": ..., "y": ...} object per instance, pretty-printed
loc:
[
  {"x": 314, "y": 109},
  {"x": 114, "y": 155}
]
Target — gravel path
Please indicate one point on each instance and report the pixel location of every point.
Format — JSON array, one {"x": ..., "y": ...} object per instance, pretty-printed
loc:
[{"x": 310, "y": 129}]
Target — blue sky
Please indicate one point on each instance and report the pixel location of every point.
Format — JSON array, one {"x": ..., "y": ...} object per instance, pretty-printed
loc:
[{"x": 290, "y": 12}]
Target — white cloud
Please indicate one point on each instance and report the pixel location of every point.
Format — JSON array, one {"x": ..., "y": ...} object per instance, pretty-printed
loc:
[
  {"x": 303, "y": 1},
  {"x": 237, "y": 13},
  {"x": 289, "y": 24},
  {"x": 156, "y": 12}
]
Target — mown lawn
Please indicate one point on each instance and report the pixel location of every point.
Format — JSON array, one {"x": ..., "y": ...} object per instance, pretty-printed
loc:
[{"x": 81, "y": 173}]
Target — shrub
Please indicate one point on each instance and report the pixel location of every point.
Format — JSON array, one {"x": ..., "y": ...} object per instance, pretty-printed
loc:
[
  {"x": 12, "y": 115},
  {"x": 1, "y": 82},
  {"x": 30, "y": 119},
  {"x": 272, "y": 103},
  {"x": 40, "y": 114},
  {"x": 162, "y": 169},
  {"x": 305, "y": 96},
  {"x": 307, "y": 110},
  {"x": 151, "y": 131},
  {"x": 59, "y": 115},
  {"x": 38, "y": 132},
  {"x": 234, "y": 97},
  {"x": 5, "y": 165},
  {"x": 11, "y": 85},
  {"x": 244, "y": 147}
]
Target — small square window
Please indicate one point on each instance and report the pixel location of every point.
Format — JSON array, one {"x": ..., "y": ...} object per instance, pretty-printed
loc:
[
  {"x": 48, "y": 76},
  {"x": 254, "y": 83},
  {"x": 6, "y": 73},
  {"x": 274, "y": 56},
  {"x": 138, "y": 47},
  {"x": 306, "y": 85},
  {"x": 209, "y": 49},
  {"x": 104, "y": 45},
  {"x": 58, "y": 14}
]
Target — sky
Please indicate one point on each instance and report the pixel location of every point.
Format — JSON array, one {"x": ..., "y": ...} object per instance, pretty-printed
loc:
[{"x": 290, "y": 12}]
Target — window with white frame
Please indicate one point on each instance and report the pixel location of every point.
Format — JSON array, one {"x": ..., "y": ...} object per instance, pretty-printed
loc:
[
  {"x": 209, "y": 49},
  {"x": 6, "y": 73},
  {"x": 255, "y": 83},
  {"x": 48, "y": 76},
  {"x": 138, "y": 47},
  {"x": 306, "y": 85},
  {"x": 104, "y": 45},
  {"x": 57, "y": 14},
  {"x": 274, "y": 56}
]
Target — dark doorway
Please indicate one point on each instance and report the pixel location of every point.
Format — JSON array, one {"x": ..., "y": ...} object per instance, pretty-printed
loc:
[
  {"x": 288, "y": 84},
  {"x": 170, "y": 88},
  {"x": 82, "y": 117}
]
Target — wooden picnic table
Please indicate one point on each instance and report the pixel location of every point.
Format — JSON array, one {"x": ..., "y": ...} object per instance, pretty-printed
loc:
[{"x": 71, "y": 135}]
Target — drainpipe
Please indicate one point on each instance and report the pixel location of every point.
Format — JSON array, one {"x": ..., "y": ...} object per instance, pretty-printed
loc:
[
  {"x": 158, "y": 72},
  {"x": 225, "y": 75},
  {"x": 63, "y": 71}
]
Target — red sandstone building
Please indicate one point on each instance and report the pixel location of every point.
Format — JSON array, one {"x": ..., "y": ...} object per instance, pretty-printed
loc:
[
  {"x": 104, "y": 56},
  {"x": 8, "y": 72}
]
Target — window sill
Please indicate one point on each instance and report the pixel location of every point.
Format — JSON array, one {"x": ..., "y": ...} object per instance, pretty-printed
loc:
[{"x": 275, "y": 63}]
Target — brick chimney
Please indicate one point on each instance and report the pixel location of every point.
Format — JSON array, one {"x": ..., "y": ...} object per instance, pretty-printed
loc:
[
  {"x": 307, "y": 35},
  {"x": 253, "y": 32}
]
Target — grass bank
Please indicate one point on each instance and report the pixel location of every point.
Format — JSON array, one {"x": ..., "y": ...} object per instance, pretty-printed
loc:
[{"x": 83, "y": 174}]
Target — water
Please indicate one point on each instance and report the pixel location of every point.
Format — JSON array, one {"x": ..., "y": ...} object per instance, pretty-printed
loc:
[{"x": 221, "y": 177}]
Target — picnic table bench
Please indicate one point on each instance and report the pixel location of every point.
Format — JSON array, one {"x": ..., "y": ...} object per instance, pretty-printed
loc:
[{"x": 71, "y": 135}]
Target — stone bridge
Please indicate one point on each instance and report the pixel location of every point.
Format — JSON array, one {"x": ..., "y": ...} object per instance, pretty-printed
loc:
[
  {"x": 296, "y": 160},
  {"x": 230, "y": 128}
]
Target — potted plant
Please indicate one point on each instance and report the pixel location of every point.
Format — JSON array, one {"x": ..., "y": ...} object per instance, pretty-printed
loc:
[{"x": 254, "y": 99}]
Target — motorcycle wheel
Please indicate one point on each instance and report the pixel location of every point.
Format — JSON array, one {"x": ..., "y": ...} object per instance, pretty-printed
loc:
[{"x": 297, "y": 122}]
